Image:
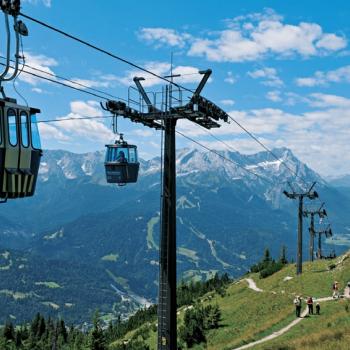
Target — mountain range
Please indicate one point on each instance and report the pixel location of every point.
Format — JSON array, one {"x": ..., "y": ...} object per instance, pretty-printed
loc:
[{"x": 79, "y": 233}]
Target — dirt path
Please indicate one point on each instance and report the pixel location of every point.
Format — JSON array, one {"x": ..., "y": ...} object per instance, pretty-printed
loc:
[
  {"x": 252, "y": 285},
  {"x": 283, "y": 330}
]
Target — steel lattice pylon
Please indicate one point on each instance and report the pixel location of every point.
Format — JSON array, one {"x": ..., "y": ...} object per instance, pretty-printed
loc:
[{"x": 164, "y": 115}]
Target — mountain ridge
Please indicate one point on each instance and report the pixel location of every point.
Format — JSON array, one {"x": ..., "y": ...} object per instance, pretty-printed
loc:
[{"x": 225, "y": 216}]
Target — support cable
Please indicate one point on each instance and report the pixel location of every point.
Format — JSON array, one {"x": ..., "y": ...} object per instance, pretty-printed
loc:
[
  {"x": 81, "y": 41},
  {"x": 75, "y": 38},
  {"x": 229, "y": 147},
  {"x": 69, "y": 80},
  {"x": 266, "y": 148},
  {"x": 223, "y": 157},
  {"x": 66, "y": 119},
  {"x": 62, "y": 84},
  {"x": 178, "y": 132}
]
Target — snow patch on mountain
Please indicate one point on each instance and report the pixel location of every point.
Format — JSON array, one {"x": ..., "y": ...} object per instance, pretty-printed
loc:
[{"x": 194, "y": 167}]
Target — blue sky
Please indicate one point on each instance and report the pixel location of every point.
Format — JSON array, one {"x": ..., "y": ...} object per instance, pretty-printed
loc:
[{"x": 279, "y": 67}]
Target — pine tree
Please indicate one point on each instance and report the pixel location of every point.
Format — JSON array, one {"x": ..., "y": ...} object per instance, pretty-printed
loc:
[
  {"x": 283, "y": 258},
  {"x": 267, "y": 256},
  {"x": 192, "y": 332},
  {"x": 41, "y": 327},
  {"x": 97, "y": 339},
  {"x": 9, "y": 331},
  {"x": 62, "y": 331},
  {"x": 34, "y": 327},
  {"x": 213, "y": 317}
]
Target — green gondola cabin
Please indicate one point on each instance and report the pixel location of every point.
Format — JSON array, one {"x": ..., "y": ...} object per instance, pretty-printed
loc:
[{"x": 20, "y": 150}]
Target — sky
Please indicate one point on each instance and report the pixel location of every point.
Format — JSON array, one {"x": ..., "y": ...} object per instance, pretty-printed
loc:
[{"x": 281, "y": 68}]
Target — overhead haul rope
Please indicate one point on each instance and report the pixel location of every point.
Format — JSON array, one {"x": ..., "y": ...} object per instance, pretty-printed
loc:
[
  {"x": 126, "y": 61},
  {"x": 68, "y": 80}
]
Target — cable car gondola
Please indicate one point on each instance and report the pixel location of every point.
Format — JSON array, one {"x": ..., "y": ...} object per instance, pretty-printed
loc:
[
  {"x": 121, "y": 163},
  {"x": 20, "y": 150}
]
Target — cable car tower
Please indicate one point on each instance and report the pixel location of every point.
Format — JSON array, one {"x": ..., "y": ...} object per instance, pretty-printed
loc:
[
  {"x": 321, "y": 212},
  {"x": 328, "y": 233},
  {"x": 300, "y": 196},
  {"x": 20, "y": 148},
  {"x": 161, "y": 111}
]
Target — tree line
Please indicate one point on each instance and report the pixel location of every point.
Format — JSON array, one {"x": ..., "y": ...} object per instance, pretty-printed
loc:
[{"x": 49, "y": 334}]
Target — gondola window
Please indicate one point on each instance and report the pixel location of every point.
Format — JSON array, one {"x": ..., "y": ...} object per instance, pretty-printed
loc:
[
  {"x": 35, "y": 133},
  {"x": 24, "y": 129},
  {"x": 12, "y": 127}
]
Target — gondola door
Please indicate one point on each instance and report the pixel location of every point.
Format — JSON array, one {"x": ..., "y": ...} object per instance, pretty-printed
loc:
[
  {"x": 12, "y": 143},
  {"x": 36, "y": 151},
  {"x": 26, "y": 176},
  {"x": 3, "y": 194}
]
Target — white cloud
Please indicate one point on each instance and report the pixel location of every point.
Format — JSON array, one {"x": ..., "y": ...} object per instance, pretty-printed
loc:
[
  {"x": 188, "y": 74},
  {"x": 326, "y": 101},
  {"x": 46, "y": 3},
  {"x": 331, "y": 42},
  {"x": 274, "y": 96},
  {"x": 230, "y": 79},
  {"x": 38, "y": 90},
  {"x": 143, "y": 132},
  {"x": 318, "y": 136},
  {"x": 91, "y": 83},
  {"x": 252, "y": 37},
  {"x": 321, "y": 78},
  {"x": 231, "y": 46},
  {"x": 227, "y": 102},
  {"x": 79, "y": 129},
  {"x": 268, "y": 75},
  {"x": 87, "y": 109},
  {"x": 291, "y": 99},
  {"x": 164, "y": 36},
  {"x": 309, "y": 82},
  {"x": 42, "y": 62},
  {"x": 47, "y": 64},
  {"x": 50, "y": 132}
]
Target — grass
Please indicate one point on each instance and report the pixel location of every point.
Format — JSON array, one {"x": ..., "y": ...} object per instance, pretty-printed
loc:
[
  {"x": 190, "y": 254},
  {"x": 248, "y": 316},
  {"x": 52, "y": 285},
  {"x": 110, "y": 257},
  {"x": 51, "y": 304},
  {"x": 330, "y": 330},
  {"x": 151, "y": 244},
  {"x": 16, "y": 295},
  {"x": 214, "y": 254}
]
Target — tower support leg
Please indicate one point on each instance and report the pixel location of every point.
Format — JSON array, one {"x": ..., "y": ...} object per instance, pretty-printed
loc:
[{"x": 167, "y": 331}]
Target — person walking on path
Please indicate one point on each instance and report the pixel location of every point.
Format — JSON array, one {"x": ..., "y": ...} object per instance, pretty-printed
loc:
[
  {"x": 335, "y": 289},
  {"x": 310, "y": 304},
  {"x": 318, "y": 308},
  {"x": 297, "y": 303}
]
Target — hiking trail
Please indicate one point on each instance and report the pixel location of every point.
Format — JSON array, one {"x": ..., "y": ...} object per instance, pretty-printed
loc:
[{"x": 252, "y": 285}]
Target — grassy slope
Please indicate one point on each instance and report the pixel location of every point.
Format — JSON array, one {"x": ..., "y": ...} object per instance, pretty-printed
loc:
[{"x": 248, "y": 315}]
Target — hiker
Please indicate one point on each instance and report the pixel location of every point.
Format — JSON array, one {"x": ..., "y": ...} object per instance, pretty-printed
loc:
[
  {"x": 318, "y": 308},
  {"x": 310, "y": 305},
  {"x": 297, "y": 303},
  {"x": 347, "y": 290},
  {"x": 335, "y": 289}
]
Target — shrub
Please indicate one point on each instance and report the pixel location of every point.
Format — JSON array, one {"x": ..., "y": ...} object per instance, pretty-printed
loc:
[
  {"x": 331, "y": 267},
  {"x": 196, "y": 322},
  {"x": 272, "y": 268}
]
